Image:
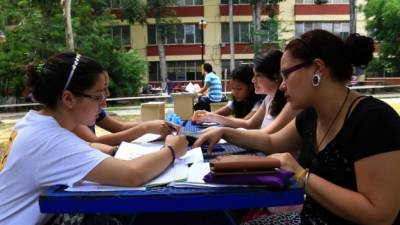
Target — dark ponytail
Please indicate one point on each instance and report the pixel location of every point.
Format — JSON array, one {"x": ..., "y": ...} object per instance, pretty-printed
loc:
[
  {"x": 269, "y": 65},
  {"x": 33, "y": 73},
  {"x": 48, "y": 81}
]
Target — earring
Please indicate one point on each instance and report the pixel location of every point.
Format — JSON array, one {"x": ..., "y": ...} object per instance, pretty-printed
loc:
[{"x": 316, "y": 80}]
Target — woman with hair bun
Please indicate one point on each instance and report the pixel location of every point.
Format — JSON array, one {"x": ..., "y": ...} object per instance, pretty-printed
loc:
[
  {"x": 43, "y": 151},
  {"x": 349, "y": 143}
]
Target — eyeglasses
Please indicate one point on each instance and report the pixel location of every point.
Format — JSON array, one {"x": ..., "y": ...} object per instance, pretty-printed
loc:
[
  {"x": 97, "y": 98},
  {"x": 285, "y": 73}
]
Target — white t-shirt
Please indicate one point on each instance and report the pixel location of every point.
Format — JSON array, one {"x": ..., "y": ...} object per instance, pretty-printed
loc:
[
  {"x": 267, "y": 117},
  {"x": 42, "y": 154},
  {"x": 255, "y": 106}
]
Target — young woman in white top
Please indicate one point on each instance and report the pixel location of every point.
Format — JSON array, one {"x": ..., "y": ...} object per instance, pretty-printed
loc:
[
  {"x": 274, "y": 113},
  {"x": 245, "y": 102},
  {"x": 43, "y": 151}
]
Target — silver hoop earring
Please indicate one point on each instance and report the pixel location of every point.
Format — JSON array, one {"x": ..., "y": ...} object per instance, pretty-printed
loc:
[{"x": 316, "y": 80}]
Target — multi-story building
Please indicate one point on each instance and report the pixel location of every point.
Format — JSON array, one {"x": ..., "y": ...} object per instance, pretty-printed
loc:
[{"x": 184, "y": 47}]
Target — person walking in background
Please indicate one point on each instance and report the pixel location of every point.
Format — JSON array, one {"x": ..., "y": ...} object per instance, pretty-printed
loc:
[
  {"x": 211, "y": 90},
  {"x": 349, "y": 143}
]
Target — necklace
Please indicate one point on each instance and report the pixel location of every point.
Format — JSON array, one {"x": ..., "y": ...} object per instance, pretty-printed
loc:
[{"x": 334, "y": 119}]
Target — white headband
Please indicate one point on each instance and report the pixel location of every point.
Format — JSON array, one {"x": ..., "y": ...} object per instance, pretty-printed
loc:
[{"x": 71, "y": 74}]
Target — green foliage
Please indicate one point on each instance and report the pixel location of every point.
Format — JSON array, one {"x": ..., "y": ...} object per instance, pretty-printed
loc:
[
  {"x": 134, "y": 11},
  {"x": 268, "y": 33},
  {"x": 384, "y": 24},
  {"x": 128, "y": 76},
  {"x": 37, "y": 32},
  {"x": 375, "y": 68}
]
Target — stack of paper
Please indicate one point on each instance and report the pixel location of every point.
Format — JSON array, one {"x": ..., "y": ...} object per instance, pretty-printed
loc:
[{"x": 127, "y": 151}]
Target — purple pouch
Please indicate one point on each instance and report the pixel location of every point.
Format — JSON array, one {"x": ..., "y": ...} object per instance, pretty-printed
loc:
[{"x": 279, "y": 179}]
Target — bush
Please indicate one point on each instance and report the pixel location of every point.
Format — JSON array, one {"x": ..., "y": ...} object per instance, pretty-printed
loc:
[{"x": 127, "y": 72}]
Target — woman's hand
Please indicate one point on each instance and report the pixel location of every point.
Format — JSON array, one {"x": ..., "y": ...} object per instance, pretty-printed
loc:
[
  {"x": 178, "y": 143},
  {"x": 211, "y": 136},
  {"x": 160, "y": 127},
  {"x": 108, "y": 149},
  {"x": 288, "y": 162},
  {"x": 198, "y": 116},
  {"x": 201, "y": 116}
]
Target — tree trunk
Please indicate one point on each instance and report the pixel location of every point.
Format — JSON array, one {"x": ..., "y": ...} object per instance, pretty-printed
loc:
[
  {"x": 161, "y": 53},
  {"x": 353, "y": 16},
  {"x": 69, "y": 36},
  {"x": 231, "y": 37},
  {"x": 257, "y": 25}
]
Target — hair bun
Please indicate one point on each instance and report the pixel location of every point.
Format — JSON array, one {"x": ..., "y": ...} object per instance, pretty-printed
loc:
[
  {"x": 360, "y": 49},
  {"x": 32, "y": 73}
]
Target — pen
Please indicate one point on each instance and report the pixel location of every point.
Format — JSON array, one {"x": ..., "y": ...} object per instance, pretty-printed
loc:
[{"x": 176, "y": 128}]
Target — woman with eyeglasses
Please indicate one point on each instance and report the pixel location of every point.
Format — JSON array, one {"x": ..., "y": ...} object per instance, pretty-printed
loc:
[
  {"x": 274, "y": 113},
  {"x": 43, "y": 151},
  {"x": 120, "y": 131},
  {"x": 350, "y": 146}
]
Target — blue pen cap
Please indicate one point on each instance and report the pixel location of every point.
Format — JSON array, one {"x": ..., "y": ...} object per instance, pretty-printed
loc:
[{"x": 173, "y": 118}]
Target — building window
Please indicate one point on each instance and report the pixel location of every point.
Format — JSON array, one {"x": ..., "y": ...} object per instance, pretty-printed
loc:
[
  {"x": 341, "y": 29},
  {"x": 189, "y": 2},
  {"x": 176, "y": 34},
  {"x": 115, "y": 4},
  {"x": 154, "y": 71},
  {"x": 184, "y": 2},
  {"x": 235, "y": 1},
  {"x": 151, "y": 34},
  {"x": 226, "y": 64},
  {"x": 177, "y": 71},
  {"x": 240, "y": 1},
  {"x": 329, "y": 2},
  {"x": 242, "y": 32},
  {"x": 122, "y": 34}
]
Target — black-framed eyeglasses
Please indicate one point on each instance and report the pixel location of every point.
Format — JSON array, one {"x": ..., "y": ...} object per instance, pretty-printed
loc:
[
  {"x": 98, "y": 98},
  {"x": 286, "y": 72}
]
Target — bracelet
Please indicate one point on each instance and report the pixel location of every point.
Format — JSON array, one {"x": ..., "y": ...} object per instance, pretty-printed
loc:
[
  {"x": 172, "y": 153},
  {"x": 114, "y": 150},
  {"x": 306, "y": 177},
  {"x": 300, "y": 176}
]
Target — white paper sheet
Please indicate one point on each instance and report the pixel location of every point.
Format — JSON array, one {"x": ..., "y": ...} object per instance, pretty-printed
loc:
[
  {"x": 146, "y": 138},
  {"x": 192, "y": 156},
  {"x": 178, "y": 172},
  {"x": 88, "y": 186},
  {"x": 197, "y": 171},
  {"x": 128, "y": 151}
]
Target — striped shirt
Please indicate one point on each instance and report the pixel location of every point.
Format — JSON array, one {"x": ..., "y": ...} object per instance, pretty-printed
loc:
[{"x": 214, "y": 87}]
